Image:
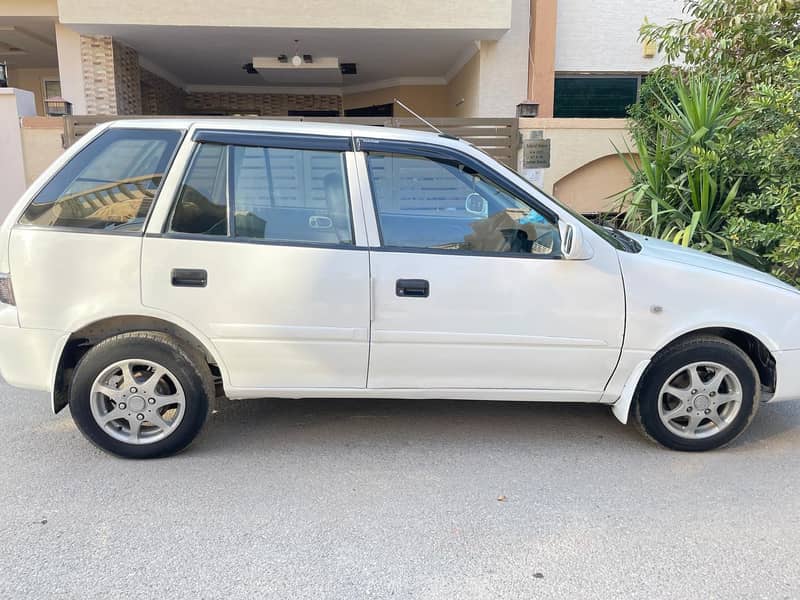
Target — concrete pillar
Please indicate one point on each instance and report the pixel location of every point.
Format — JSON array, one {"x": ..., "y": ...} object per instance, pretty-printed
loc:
[
  {"x": 70, "y": 68},
  {"x": 504, "y": 66},
  {"x": 541, "y": 70},
  {"x": 14, "y": 104},
  {"x": 111, "y": 77}
]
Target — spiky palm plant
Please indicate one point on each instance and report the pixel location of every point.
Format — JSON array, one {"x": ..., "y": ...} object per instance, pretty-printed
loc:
[{"x": 681, "y": 191}]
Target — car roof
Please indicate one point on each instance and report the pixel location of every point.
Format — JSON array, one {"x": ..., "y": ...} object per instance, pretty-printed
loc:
[{"x": 287, "y": 126}]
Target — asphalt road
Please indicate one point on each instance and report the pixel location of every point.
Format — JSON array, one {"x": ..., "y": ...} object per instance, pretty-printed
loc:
[{"x": 398, "y": 499}]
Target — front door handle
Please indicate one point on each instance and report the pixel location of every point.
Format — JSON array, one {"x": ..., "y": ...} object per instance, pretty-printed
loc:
[
  {"x": 189, "y": 277},
  {"x": 412, "y": 288}
]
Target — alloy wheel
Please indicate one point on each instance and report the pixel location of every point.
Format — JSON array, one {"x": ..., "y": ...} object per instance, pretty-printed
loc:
[
  {"x": 700, "y": 400},
  {"x": 137, "y": 401}
]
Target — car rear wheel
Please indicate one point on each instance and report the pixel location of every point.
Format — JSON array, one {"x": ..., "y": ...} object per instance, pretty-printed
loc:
[
  {"x": 698, "y": 394},
  {"x": 140, "y": 395}
]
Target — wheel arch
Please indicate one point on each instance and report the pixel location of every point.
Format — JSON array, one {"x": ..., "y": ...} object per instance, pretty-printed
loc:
[
  {"x": 88, "y": 335},
  {"x": 750, "y": 344}
]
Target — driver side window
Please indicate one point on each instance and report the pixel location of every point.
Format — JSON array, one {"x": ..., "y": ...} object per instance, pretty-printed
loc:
[{"x": 427, "y": 203}]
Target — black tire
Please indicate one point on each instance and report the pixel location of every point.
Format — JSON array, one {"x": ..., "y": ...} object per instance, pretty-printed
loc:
[
  {"x": 186, "y": 365},
  {"x": 686, "y": 352}
]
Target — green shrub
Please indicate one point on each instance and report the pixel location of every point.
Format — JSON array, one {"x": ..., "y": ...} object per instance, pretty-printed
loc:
[
  {"x": 741, "y": 163},
  {"x": 682, "y": 190}
]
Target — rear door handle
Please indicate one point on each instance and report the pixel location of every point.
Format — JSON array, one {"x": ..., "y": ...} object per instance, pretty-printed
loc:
[
  {"x": 412, "y": 288},
  {"x": 189, "y": 277}
]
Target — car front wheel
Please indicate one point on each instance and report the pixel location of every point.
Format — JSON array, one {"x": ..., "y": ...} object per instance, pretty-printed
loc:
[
  {"x": 140, "y": 395},
  {"x": 698, "y": 394}
]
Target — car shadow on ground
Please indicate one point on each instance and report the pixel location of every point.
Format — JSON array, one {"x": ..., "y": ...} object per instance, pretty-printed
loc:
[{"x": 251, "y": 424}]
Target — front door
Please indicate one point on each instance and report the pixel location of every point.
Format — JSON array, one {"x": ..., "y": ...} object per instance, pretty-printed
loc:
[
  {"x": 470, "y": 291},
  {"x": 260, "y": 253}
]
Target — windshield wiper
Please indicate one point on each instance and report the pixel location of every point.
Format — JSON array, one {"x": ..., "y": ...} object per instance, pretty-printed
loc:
[{"x": 630, "y": 244}]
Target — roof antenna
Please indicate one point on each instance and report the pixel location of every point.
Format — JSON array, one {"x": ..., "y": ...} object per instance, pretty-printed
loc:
[{"x": 428, "y": 123}]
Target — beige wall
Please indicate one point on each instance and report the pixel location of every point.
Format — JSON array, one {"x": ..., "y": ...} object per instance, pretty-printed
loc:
[
  {"x": 14, "y": 104},
  {"x": 593, "y": 187},
  {"x": 29, "y": 8},
  {"x": 575, "y": 171},
  {"x": 70, "y": 65},
  {"x": 347, "y": 14},
  {"x": 426, "y": 100},
  {"x": 463, "y": 89},
  {"x": 504, "y": 66},
  {"x": 31, "y": 80},
  {"x": 41, "y": 144}
]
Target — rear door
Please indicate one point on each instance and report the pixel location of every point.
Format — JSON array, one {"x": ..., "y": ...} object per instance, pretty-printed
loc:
[
  {"x": 260, "y": 251},
  {"x": 470, "y": 290}
]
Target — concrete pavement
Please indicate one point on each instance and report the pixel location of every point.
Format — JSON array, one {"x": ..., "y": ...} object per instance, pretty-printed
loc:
[{"x": 399, "y": 499}]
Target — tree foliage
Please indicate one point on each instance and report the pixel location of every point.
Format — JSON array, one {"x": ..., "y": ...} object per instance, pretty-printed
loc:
[{"x": 751, "y": 52}]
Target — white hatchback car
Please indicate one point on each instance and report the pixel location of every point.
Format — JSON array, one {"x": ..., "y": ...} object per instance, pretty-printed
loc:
[{"x": 159, "y": 262}]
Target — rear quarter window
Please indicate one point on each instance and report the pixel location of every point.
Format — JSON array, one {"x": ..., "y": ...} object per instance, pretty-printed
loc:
[{"x": 110, "y": 185}]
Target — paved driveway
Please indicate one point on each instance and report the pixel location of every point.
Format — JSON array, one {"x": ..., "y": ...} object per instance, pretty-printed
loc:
[{"x": 398, "y": 499}]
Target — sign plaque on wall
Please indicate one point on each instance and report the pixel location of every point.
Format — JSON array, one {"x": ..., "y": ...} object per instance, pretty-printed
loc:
[{"x": 536, "y": 154}]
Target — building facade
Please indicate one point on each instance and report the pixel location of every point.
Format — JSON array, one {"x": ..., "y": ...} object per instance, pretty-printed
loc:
[{"x": 573, "y": 64}]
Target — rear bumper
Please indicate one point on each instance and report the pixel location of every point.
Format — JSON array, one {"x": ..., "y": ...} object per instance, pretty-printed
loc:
[
  {"x": 27, "y": 356},
  {"x": 787, "y": 368}
]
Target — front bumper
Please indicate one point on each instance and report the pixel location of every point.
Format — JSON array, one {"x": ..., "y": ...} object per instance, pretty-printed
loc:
[{"x": 787, "y": 369}]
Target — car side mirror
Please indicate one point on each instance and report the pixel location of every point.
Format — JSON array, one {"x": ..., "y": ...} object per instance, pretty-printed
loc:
[{"x": 574, "y": 245}]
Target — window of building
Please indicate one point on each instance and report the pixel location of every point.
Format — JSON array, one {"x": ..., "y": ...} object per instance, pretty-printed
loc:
[
  {"x": 109, "y": 185},
  {"x": 427, "y": 203},
  {"x": 595, "y": 96},
  {"x": 51, "y": 88},
  {"x": 274, "y": 194}
]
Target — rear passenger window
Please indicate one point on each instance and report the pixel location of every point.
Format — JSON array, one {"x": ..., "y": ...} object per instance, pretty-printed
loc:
[
  {"x": 109, "y": 185},
  {"x": 273, "y": 194}
]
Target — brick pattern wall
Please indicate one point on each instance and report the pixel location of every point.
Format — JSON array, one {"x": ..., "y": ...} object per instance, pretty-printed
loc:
[
  {"x": 97, "y": 61},
  {"x": 111, "y": 77},
  {"x": 127, "y": 80},
  {"x": 160, "y": 97},
  {"x": 265, "y": 105},
  {"x": 115, "y": 84}
]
